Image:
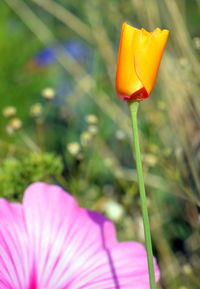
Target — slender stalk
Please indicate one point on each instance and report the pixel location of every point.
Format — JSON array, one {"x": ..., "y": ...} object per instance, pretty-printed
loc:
[{"x": 134, "y": 108}]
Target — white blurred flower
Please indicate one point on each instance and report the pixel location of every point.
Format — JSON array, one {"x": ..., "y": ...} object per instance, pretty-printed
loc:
[
  {"x": 91, "y": 119},
  {"x": 120, "y": 135},
  {"x": 36, "y": 110},
  {"x": 48, "y": 93},
  {"x": 9, "y": 111},
  {"x": 150, "y": 159},
  {"x": 73, "y": 148},
  {"x": 114, "y": 210},
  {"x": 13, "y": 125}
]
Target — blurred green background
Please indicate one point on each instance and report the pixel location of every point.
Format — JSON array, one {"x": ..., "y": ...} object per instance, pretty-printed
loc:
[{"x": 61, "y": 121}]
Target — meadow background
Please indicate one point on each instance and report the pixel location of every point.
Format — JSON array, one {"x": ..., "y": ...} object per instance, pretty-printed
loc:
[{"x": 61, "y": 121}]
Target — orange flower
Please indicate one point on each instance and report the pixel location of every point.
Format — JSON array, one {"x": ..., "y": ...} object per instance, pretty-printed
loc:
[{"x": 140, "y": 53}]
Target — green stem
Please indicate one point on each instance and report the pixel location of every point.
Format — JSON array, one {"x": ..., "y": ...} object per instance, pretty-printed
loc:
[{"x": 134, "y": 108}]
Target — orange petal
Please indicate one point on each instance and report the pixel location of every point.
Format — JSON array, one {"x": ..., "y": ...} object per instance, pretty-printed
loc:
[
  {"x": 127, "y": 81},
  {"x": 148, "y": 56}
]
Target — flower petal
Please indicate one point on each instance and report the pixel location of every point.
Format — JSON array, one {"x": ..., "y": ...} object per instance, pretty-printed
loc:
[
  {"x": 127, "y": 81},
  {"x": 15, "y": 264},
  {"x": 148, "y": 56},
  {"x": 122, "y": 267},
  {"x": 52, "y": 243},
  {"x": 62, "y": 236}
]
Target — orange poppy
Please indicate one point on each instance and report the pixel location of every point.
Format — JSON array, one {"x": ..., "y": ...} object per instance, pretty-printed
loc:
[{"x": 139, "y": 57}]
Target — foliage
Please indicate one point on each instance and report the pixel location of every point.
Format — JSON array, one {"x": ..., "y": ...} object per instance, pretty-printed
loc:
[{"x": 16, "y": 174}]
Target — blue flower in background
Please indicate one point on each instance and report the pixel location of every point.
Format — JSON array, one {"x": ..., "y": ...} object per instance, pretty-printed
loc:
[
  {"x": 45, "y": 57},
  {"x": 77, "y": 49}
]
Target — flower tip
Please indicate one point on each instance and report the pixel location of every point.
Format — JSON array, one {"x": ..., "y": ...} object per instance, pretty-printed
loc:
[
  {"x": 145, "y": 32},
  {"x": 165, "y": 31},
  {"x": 131, "y": 28},
  {"x": 161, "y": 32},
  {"x": 157, "y": 30}
]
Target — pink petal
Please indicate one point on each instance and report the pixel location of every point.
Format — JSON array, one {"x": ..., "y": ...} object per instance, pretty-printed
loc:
[
  {"x": 15, "y": 264},
  {"x": 51, "y": 243},
  {"x": 62, "y": 236},
  {"x": 122, "y": 267}
]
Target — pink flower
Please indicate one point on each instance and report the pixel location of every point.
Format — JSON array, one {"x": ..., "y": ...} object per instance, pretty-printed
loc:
[{"x": 48, "y": 242}]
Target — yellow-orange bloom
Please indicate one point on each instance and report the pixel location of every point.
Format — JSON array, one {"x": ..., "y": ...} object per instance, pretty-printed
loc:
[{"x": 139, "y": 57}]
